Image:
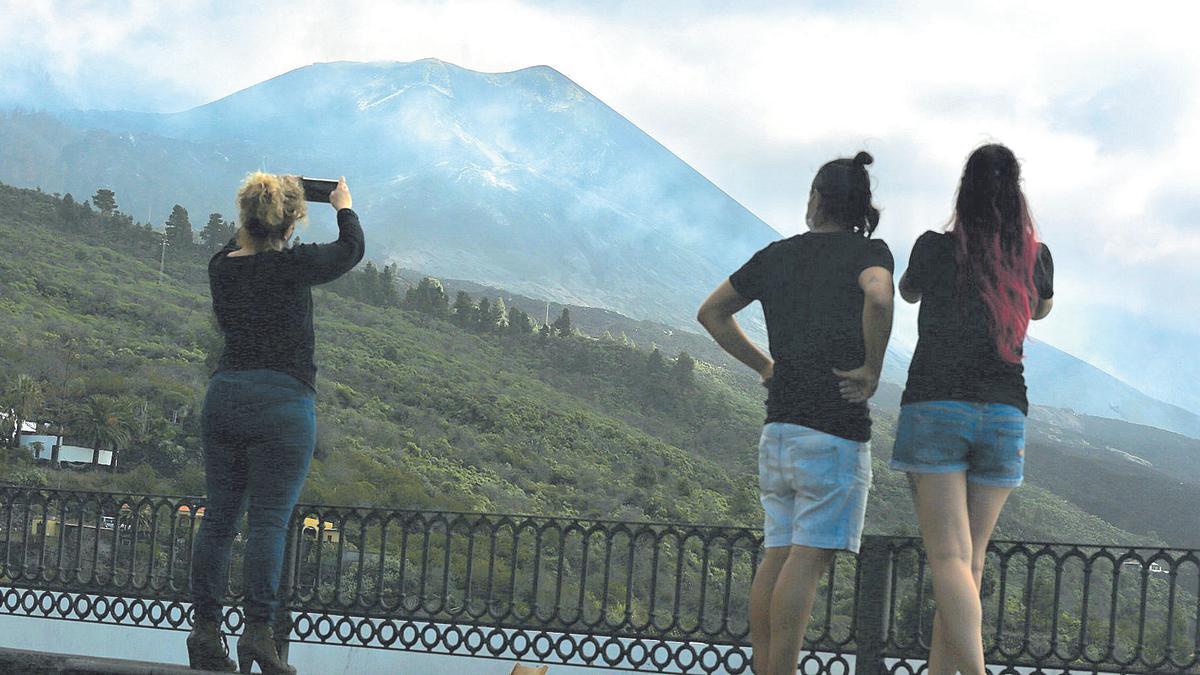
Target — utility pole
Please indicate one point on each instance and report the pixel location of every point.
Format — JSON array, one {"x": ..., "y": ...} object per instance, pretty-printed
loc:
[{"x": 162, "y": 259}]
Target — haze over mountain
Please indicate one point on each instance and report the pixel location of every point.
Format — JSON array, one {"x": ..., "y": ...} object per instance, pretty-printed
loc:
[{"x": 521, "y": 180}]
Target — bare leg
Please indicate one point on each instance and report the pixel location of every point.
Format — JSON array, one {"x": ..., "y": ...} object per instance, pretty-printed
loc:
[
  {"x": 939, "y": 661},
  {"x": 760, "y": 606},
  {"x": 791, "y": 605},
  {"x": 984, "y": 504},
  {"x": 941, "y": 501}
]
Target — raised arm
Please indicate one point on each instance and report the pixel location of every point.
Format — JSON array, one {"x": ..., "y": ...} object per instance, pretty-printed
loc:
[
  {"x": 321, "y": 263},
  {"x": 716, "y": 315},
  {"x": 859, "y": 384}
]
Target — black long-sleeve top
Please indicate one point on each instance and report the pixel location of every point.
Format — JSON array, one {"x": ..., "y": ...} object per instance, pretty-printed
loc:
[{"x": 263, "y": 302}]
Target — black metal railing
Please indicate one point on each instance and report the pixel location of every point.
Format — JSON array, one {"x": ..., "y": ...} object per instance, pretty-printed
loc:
[{"x": 654, "y": 597}]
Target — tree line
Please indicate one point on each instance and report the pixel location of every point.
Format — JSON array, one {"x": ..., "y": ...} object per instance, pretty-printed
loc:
[
  {"x": 493, "y": 316},
  {"x": 118, "y": 421},
  {"x": 177, "y": 228}
]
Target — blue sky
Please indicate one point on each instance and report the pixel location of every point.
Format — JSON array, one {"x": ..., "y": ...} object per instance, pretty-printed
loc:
[{"x": 1100, "y": 100}]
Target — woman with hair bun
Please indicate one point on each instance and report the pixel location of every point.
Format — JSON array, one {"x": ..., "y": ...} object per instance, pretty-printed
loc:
[
  {"x": 961, "y": 432},
  {"x": 259, "y": 419},
  {"x": 827, "y": 298}
]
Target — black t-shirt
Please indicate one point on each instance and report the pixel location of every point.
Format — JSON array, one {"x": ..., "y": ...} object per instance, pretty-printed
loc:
[
  {"x": 808, "y": 287},
  {"x": 956, "y": 357},
  {"x": 263, "y": 302}
]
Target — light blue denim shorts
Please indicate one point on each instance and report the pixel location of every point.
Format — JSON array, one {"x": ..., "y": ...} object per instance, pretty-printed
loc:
[
  {"x": 813, "y": 487},
  {"x": 986, "y": 440}
]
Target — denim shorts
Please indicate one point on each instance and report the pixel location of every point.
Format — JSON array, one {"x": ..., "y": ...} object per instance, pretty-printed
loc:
[
  {"x": 986, "y": 440},
  {"x": 813, "y": 487}
]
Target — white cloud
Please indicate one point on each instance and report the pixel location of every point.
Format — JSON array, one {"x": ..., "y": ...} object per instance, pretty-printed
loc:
[{"x": 1100, "y": 100}]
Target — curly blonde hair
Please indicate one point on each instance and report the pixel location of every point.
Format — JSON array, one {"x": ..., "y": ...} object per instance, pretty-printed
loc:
[{"x": 268, "y": 205}]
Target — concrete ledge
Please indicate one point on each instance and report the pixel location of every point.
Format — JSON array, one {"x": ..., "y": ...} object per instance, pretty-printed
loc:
[{"x": 22, "y": 661}]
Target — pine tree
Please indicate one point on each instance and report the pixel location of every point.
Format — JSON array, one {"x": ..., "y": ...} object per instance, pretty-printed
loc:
[
  {"x": 484, "y": 316},
  {"x": 105, "y": 201},
  {"x": 179, "y": 229},
  {"x": 368, "y": 289},
  {"x": 380, "y": 285},
  {"x": 499, "y": 315},
  {"x": 429, "y": 296},
  {"x": 519, "y": 323},
  {"x": 464, "y": 309},
  {"x": 391, "y": 285},
  {"x": 563, "y": 323},
  {"x": 67, "y": 211},
  {"x": 213, "y": 235}
]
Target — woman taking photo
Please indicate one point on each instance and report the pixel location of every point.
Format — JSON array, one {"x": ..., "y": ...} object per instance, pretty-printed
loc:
[
  {"x": 259, "y": 418},
  {"x": 961, "y": 432},
  {"x": 827, "y": 298}
]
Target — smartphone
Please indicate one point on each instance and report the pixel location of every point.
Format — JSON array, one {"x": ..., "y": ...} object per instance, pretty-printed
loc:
[{"x": 317, "y": 189}]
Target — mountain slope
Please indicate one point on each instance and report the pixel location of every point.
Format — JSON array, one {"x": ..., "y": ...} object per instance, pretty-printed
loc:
[
  {"x": 1056, "y": 378},
  {"x": 520, "y": 180},
  {"x": 414, "y": 411},
  {"x": 558, "y": 194}
]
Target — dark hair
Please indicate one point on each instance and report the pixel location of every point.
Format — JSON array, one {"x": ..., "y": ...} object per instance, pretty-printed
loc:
[
  {"x": 996, "y": 244},
  {"x": 845, "y": 190}
]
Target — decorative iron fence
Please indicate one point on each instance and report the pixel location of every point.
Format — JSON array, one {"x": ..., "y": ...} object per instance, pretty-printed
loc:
[{"x": 651, "y": 597}]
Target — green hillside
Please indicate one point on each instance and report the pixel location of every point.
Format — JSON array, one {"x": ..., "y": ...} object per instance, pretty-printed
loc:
[{"x": 417, "y": 407}]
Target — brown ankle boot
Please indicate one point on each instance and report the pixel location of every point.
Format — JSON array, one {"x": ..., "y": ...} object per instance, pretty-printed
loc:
[
  {"x": 257, "y": 645},
  {"x": 207, "y": 649}
]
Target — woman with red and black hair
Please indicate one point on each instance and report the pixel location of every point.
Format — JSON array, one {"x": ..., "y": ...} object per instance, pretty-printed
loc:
[{"x": 961, "y": 432}]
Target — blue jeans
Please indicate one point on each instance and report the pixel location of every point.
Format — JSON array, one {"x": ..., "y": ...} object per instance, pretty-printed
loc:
[
  {"x": 259, "y": 432},
  {"x": 986, "y": 440}
]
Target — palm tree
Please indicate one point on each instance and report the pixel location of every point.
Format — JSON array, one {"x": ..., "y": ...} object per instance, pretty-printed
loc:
[
  {"x": 107, "y": 421},
  {"x": 24, "y": 396}
]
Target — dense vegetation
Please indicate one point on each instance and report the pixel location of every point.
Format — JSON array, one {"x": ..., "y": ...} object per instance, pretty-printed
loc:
[
  {"x": 424, "y": 401},
  {"x": 427, "y": 401}
]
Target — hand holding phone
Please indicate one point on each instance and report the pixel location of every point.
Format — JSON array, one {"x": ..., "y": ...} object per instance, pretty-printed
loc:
[
  {"x": 340, "y": 197},
  {"x": 317, "y": 189},
  {"x": 333, "y": 192}
]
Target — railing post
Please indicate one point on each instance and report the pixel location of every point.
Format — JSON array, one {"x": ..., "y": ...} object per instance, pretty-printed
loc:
[
  {"x": 283, "y": 616},
  {"x": 874, "y": 590}
]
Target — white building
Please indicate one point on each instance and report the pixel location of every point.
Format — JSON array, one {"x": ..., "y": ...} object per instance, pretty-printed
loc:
[{"x": 42, "y": 448}]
